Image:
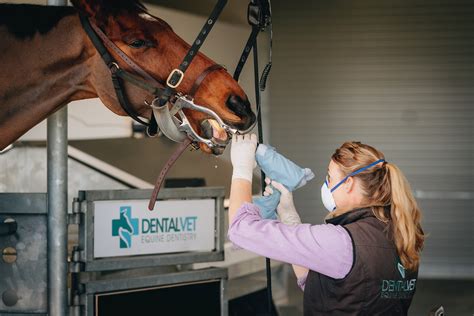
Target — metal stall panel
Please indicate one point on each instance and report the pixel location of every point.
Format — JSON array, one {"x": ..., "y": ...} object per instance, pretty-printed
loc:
[
  {"x": 23, "y": 265},
  {"x": 202, "y": 291},
  {"x": 117, "y": 231},
  {"x": 398, "y": 75}
]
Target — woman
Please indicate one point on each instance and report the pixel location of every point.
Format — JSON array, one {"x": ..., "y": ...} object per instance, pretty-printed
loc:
[{"x": 364, "y": 260}]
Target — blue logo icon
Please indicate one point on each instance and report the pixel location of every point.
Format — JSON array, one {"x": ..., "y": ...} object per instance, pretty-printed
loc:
[
  {"x": 401, "y": 269},
  {"x": 125, "y": 227}
]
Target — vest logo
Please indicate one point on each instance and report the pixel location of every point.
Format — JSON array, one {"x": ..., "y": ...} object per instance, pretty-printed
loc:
[
  {"x": 398, "y": 289},
  {"x": 401, "y": 269},
  {"x": 125, "y": 227}
]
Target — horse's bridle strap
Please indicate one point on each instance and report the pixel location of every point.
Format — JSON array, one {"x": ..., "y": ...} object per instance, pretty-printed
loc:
[
  {"x": 137, "y": 82},
  {"x": 171, "y": 160},
  {"x": 99, "y": 38},
  {"x": 193, "y": 51},
  {"x": 111, "y": 63},
  {"x": 201, "y": 77},
  {"x": 259, "y": 16}
]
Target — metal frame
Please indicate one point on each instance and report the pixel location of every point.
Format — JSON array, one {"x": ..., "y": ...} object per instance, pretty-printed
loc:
[
  {"x": 84, "y": 209},
  {"x": 92, "y": 288},
  {"x": 30, "y": 212},
  {"x": 23, "y": 203}
]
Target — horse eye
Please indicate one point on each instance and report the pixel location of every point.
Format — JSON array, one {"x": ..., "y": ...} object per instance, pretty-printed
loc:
[{"x": 137, "y": 43}]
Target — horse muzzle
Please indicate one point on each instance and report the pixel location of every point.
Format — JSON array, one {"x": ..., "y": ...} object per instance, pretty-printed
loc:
[{"x": 216, "y": 133}]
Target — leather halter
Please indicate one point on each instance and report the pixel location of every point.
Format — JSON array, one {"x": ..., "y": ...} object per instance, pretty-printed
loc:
[
  {"x": 180, "y": 131},
  {"x": 144, "y": 80}
]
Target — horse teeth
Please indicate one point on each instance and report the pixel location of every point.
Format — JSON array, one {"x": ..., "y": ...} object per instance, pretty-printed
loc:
[{"x": 217, "y": 131}]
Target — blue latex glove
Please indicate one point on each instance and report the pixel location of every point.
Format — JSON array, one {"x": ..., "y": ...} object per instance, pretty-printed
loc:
[{"x": 278, "y": 168}]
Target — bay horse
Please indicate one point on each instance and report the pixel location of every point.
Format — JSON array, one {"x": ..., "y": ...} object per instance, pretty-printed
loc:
[{"x": 47, "y": 60}]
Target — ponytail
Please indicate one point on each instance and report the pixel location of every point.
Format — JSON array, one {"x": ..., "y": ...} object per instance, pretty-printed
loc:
[{"x": 405, "y": 219}]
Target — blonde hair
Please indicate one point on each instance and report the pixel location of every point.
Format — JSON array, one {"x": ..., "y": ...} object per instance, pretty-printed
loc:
[{"x": 384, "y": 185}]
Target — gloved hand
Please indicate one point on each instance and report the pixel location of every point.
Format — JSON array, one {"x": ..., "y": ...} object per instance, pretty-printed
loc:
[
  {"x": 242, "y": 155},
  {"x": 286, "y": 207}
]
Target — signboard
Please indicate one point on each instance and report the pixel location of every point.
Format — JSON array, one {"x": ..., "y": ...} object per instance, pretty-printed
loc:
[{"x": 127, "y": 227}]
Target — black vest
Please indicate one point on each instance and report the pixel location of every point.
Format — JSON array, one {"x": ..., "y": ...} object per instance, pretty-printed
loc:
[{"x": 377, "y": 283}]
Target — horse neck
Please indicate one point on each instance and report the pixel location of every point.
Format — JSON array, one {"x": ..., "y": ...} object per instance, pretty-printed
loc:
[{"x": 40, "y": 74}]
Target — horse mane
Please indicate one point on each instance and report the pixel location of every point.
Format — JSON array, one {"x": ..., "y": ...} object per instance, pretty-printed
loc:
[
  {"x": 106, "y": 8},
  {"x": 25, "y": 20}
]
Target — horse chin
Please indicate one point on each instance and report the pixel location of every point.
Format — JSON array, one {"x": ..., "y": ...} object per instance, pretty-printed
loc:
[
  {"x": 212, "y": 130},
  {"x": 215, "y": 150}
]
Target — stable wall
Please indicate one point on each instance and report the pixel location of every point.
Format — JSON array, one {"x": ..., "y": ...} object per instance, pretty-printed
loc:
[{"x": 397, "y": 75}]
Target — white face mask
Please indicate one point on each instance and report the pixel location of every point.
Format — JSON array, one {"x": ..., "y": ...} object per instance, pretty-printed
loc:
[
  {"x": 326, "y": 196},
  {"x": 326, "y": 193}
]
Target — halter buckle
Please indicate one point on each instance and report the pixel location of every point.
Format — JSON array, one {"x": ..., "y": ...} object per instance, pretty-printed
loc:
[{"x": 175, "y": 78}]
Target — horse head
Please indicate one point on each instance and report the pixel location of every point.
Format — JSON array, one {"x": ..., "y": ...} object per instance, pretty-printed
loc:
[{"x": 151, "y": 44}]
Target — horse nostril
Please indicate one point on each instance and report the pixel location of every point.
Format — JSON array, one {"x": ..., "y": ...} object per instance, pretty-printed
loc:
[
  {"x": 241, "y": 107},
  {"x": 238, "y": 105}
]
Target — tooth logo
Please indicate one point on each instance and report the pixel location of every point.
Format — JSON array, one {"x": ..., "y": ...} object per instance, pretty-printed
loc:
[
  {"x": 125, "y": 227},
  {"x": 401, "y": 269}
]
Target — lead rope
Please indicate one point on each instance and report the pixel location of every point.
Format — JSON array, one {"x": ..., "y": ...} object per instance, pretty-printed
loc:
[{"x": 268, "y": 66}]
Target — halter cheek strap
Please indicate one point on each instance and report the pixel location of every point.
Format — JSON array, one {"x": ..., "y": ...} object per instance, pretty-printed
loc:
[{"x": 98, "y": 38}]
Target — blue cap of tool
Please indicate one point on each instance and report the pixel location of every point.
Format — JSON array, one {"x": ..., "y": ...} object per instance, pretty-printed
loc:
[{"x": 279, "y": 168}]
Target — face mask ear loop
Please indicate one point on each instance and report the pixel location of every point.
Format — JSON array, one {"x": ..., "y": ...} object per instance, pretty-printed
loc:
[
  {"x": 340, "y": 182},
  {"x": 356, "y": 172}
]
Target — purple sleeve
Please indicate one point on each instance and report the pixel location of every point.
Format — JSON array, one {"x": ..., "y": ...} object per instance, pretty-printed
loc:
[{"x": 325, "y": 248}]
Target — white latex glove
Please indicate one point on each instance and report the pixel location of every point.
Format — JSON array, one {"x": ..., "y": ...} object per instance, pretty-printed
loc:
[
  {"x": 242, "y": 155},
  {"x": 286, "y": 208}
]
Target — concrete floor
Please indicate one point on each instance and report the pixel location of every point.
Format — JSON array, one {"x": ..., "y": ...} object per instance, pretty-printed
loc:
[{"x": 456, "y": 296}]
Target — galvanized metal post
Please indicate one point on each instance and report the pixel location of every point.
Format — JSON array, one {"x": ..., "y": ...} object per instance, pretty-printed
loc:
[
  {"x": 57, "y": 213},
  {"x": 57, "y": 208}
]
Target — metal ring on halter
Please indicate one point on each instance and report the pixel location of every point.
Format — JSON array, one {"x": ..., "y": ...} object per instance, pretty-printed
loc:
[{"x": 113, "y": 67}]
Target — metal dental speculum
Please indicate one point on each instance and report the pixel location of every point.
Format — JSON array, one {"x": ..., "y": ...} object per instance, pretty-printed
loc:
[{"x": 178, "y": 129}]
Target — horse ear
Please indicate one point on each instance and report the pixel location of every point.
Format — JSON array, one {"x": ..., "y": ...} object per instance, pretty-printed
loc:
[{"x": 87, "y": 7}]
